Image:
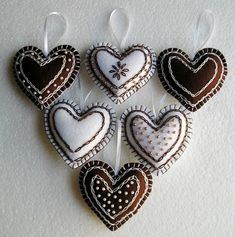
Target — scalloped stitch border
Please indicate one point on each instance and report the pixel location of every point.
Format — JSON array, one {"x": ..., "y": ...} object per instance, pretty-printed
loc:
[
  {"x": 156, "y": 121},
  {"x": 105, "y": 140},
  {"x": 73, "y": 76},
  {"x": 111, "y": 172},
  {"x": 177, "y": 95},
  {"x": 140, "y": 84}
]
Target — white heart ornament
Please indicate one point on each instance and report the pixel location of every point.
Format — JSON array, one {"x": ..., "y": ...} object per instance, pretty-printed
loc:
[
  {"x": 78, "y": 135},
  {"x": 120, "y": 74},
  {"x": 158, "y": 142}
]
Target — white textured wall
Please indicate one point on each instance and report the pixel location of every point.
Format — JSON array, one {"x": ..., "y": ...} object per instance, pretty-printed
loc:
[{"x": 39, "y": 195}]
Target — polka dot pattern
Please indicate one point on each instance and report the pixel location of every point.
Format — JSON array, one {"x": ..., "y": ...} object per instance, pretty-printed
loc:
[
  {"x": 115, "y": 200},
  {"x": 43, "y": 78},
  {"x": 156, "y": 141}
]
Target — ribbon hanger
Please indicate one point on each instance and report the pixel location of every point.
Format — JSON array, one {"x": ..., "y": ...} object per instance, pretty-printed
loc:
[
  {"x": 62, "y": 29},
  {"x": 119, "y": 26},
  {"x": 204, "y": 28}
]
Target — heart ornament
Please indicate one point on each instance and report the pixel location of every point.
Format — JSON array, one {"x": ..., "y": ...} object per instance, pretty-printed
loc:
[
  {"x": 157, "y": 142},
  {"x": 192, "y": 82},
  {"x": 120, "y": 74},
  {"x": 115, "y": 198},
  {"x": 79, "y": 135},
  {"x": 44, "y": 78}
]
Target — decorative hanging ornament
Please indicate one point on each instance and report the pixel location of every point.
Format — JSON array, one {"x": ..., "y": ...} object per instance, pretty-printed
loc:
[
  {"x": 193, "y": 81},
  {"x": 115, "y": 198},
  {"x": 43, "y": 77},
  {"x": 77, "y": 134},
  {"x": 158, "y": 142},
  {"x": 120, "y": 73}
]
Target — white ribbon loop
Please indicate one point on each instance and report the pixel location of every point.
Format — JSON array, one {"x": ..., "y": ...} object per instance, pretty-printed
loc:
[
  {"x": 82, "y": 99},
  {"x": 204, "y": 29},
  {"x": 118, "y": 151},
  {"x": 161, "y": 102},
  {"x": 59, "y": 28},
  {"x": 119, "y": 25}
]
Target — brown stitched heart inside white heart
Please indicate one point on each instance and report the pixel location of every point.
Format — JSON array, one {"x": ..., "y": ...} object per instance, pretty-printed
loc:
[
  {"x": 78, "y": 135},
  {"x": 75, "y": 130}
]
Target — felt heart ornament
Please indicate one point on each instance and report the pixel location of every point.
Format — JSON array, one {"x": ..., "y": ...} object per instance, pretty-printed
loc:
[
  {"x": 44, "y": 78},
  {"x": 192, "y": 82},
  {"x": 157, "y": 142},
  {"x": 115, "y": 198},
  {"x": 120, "y": 74},
  {"x": 79, "y": 135}
]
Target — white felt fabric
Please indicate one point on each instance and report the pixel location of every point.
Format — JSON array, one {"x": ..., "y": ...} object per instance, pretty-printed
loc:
[
  {"x": 81, "y": 133},
  {"x": 76, "y": 133},
  {"x": 134, "y": 62},
  {"x": 163, "y": 140},
  {"x": 39, "y": 194}
]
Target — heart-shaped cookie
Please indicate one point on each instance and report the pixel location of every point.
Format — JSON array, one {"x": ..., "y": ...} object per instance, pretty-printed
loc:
[
  {"x": 43, "y": 78},
  {"x": 113, "y": 198},
  {"x": 78, "y": 135},
  {"x": 192, "y": 82},
  {"x": 158, "y": 142},
  {"x": 120, "y": 74}
]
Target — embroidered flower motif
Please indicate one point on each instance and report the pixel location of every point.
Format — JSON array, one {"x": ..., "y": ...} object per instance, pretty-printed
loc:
[{"x": 119, "y": 70}]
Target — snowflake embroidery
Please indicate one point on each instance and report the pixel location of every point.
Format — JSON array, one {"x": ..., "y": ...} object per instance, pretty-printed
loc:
[{"x": 119, "y": 70}]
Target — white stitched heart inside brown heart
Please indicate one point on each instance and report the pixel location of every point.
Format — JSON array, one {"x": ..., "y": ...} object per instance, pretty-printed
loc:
[
  {"x": 161, "y": 141},
  {"x": 78, "y": 135},
  {"x": 120, "y": 74}
]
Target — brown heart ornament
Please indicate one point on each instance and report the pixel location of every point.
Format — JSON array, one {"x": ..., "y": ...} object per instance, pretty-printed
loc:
[
  {"x": 44, "y": 78},
  {"x": 120, "y": 74},
  {"x": 157, "y": 142},
  {"x": 192, "y": 82},
  {"x": 115, "y": 198}
]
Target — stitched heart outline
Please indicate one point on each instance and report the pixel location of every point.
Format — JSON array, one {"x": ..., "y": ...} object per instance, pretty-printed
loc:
[
  {"x": 115, "y": 198},
  {"x": 44, "y": 78},
  {"x": 157, "y": 142},
  {"x": 120, "y": 79},
  {"x": 192, "y": 82},
  {"x": 75, "y": 142}
]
